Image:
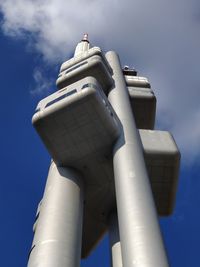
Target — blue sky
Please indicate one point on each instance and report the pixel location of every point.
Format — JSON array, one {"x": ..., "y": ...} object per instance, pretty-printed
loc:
[{"x": 161, "y": 40}]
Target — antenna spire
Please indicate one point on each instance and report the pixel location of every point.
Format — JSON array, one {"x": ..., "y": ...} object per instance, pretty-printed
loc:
[
  {"x": 85, "y": 38},
  {"x": 82, "y": 46}
]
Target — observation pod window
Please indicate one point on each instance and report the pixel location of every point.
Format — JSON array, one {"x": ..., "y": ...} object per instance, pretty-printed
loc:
[
  {"x": 61, "y": 97},
  {"x": 91, "y": 85}
]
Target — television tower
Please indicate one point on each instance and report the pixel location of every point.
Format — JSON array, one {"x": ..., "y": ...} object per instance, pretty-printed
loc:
[{"x": 110, "y": 170}]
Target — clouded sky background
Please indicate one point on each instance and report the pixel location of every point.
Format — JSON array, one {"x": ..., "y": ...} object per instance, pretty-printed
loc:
[{"x": 161, "y": 39}]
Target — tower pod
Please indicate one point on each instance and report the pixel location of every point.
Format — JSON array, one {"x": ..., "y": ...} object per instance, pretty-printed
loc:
[
  {"x": 89, "y": 63},
  {"x": 143, "y": 101},
  {"x": 76, "y": 122}
]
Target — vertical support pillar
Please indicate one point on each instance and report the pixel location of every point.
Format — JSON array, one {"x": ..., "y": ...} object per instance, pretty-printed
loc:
[
  {"x": 58, "y": 231},
  {"x": 115, "y": 246},
  {"x": 141, "y": 240}
]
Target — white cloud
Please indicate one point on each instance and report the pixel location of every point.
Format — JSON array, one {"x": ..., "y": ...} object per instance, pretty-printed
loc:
[
  {"x": 43, "y": 84},
  {"x": 57, "y": 25},
  {"x": 161, "y": 38}
]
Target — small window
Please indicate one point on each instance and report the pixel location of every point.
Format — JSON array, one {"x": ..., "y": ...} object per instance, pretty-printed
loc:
[
  {"x": 89, "y": 85},
  {"x": 61, "y": 97}
]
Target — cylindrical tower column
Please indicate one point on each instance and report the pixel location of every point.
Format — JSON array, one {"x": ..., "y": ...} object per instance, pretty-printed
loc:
[
  {"x": 58, "y": 231},
  {"x": 141, "y": 240},
  {"x": 115, "y": 246}
]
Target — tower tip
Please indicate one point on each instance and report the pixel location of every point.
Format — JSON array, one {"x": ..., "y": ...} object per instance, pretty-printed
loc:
[{"x": 85, "y": 37}]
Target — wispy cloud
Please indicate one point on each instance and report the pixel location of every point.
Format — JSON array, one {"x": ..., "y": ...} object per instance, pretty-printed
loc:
[
  {"x": 43, "y": 84},
  {"x": 161, "y": 38}
]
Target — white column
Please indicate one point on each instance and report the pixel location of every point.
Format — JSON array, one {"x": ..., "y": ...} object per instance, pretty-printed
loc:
[
  {"x": 141, "y": 241},
  {"x": 115, "y": 246},
  {"x": 58, "y": 235}
]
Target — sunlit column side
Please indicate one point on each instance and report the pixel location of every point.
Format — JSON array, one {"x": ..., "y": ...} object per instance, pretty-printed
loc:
[
  {"x": 115, "y": 246},
  {"x": 57, "y": 240},
  {"x": 141, "y": 241}
]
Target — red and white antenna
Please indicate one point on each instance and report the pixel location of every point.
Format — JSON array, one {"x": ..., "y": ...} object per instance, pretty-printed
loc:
[{"x": 85, "y": 37}]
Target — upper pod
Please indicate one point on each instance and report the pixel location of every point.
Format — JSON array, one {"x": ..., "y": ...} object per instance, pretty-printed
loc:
[
  {"x": 86, "y": 62},
  {"x": 142, "y": 99},
  {"x": 77, "y": 123}
]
